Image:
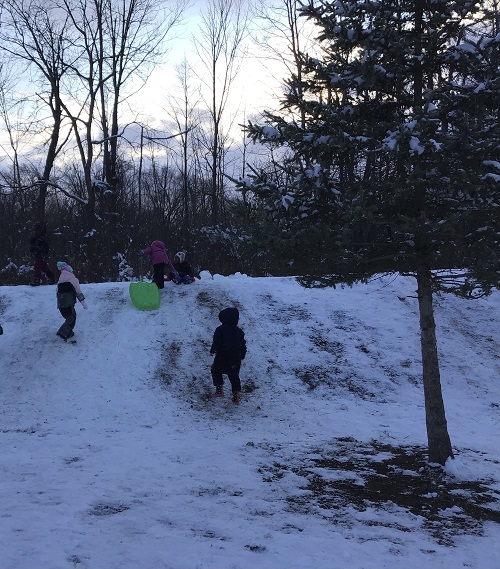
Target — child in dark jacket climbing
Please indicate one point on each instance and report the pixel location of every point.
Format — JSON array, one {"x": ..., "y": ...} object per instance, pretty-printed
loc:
[
  {"x": 39, "y": 248},
  {"x": 230, "y": 348}
]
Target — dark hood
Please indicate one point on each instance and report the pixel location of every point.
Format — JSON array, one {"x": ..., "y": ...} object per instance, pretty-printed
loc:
[{"x": 229, "y": 316}]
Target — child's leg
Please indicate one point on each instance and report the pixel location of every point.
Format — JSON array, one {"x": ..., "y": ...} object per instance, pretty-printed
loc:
[
  {"x": 69, "y": 315},
  {"x": 73, "y": 317},
  {"x": 49, "y": 274},
  {"x": 217, "y": 378},
  {"x": 234, "y": 378},
  {"x": 158, "y": 276},
  {"x": 38, "y": 268}
]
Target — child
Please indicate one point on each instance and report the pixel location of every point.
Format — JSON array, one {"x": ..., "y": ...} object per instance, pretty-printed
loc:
[
  {"x": 158, "y": 256},
  {"x": 183, "y": 268},
  {"x": 230, "y": 348},
  {"x": 68, "y": 290},
  {"x": 39, "y": 248}
]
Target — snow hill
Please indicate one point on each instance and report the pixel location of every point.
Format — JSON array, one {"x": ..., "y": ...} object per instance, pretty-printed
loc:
[{"x": 114, "y": 455}]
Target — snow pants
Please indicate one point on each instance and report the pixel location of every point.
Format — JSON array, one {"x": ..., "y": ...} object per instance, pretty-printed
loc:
[
  {"x": 41, "y": 268},
  {"x": 232, "y": 371},
  {"x": 69, "y": 315},
  {"x": 159, "y": 275}
]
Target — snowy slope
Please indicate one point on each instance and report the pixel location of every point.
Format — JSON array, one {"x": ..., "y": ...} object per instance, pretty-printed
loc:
[{"x": 113, "y": 454}]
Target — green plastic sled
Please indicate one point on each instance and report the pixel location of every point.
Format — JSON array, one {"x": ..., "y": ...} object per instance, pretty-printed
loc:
[{"x": 144, "y": 295}]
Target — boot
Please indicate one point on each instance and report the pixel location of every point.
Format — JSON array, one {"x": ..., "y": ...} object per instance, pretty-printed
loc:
[
  {"x": 66, "y": 330},
  {"x": 236, "y": 398},
  {"x": 66, "y": 338},
  {"x": 219, "y": 392}
]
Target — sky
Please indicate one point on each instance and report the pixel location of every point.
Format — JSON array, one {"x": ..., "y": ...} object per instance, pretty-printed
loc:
[
  {"x": 114, "y": 455},
  {"x": 256, "y": 87}
]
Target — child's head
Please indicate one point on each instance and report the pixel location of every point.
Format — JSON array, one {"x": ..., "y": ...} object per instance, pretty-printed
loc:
[
  {"x": 179, "y": 257},
  {"x": 158, "y": 245},
  {"x": 62, "y": 266},
  {"x": 229, "y": 316}
]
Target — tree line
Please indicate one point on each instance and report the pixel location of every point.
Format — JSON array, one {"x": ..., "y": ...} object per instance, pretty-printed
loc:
[{"x": 75, "y": 155}]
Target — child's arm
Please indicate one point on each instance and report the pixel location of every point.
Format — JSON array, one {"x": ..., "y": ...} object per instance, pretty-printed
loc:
[
  {"x": 81, "y": 298},
  {"x": 217, "y": 341},
  {"x": 243, "y": 345},
  {"x": 172, "y": 268},
  {"x": 75, "y": 282}
]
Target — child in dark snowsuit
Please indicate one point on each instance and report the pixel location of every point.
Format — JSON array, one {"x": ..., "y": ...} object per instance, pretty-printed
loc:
[
  {"x": 68, "y": 291},
  {"x": 39, "y": 248},
  {"x": 159, "y": 258},
  {"x": 183, "y": 268},
  {"x": 230, "y": 348}
]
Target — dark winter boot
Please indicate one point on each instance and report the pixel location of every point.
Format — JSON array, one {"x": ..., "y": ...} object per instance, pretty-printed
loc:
[
  {"x": 236, "y": 398},
  {"x": 219, "y": 392},
  {"x": 65, "y": 331}
]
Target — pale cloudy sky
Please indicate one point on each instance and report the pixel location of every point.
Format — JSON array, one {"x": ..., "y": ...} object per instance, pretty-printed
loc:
[{"x": 256, "y": 87}]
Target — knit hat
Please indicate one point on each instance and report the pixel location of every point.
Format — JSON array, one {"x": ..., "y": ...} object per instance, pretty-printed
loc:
[
  {"x": 62, "y": 266},
  {"x": 181, "y": 256}
]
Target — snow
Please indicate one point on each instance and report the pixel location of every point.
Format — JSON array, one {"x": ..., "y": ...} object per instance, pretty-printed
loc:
[
  {"x": 114, "y": 456},
  {"x": 415, "y": 146},
  {"x": 270, "y": 133}
]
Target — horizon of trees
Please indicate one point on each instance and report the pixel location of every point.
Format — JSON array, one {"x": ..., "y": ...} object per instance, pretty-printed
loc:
[{"x": 98, "y": 164}]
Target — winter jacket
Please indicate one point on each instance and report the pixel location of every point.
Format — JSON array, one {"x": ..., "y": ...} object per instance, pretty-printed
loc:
[
  {"x": 183, "y": 269},
  {"x": 39, "y": 247},
  {"x": 157, "y": 254},
  {"x": 68, "y": 290},
  {"x": 228, "y": 345}
]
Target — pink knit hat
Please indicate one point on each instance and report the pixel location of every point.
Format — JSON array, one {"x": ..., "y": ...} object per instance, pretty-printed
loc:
[{"x": 62, "y": 266}]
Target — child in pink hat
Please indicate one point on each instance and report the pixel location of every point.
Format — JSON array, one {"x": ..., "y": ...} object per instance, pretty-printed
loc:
[{"x": 68, "y": 291}]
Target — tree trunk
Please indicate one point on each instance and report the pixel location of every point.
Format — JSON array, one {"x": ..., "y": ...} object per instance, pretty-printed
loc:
[
  {"x": 438, "y": 439},
  {"x": 51, "y": 153}
]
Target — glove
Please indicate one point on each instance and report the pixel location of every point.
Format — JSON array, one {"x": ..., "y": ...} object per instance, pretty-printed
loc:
[
  {"x": 186, "y": 279},
  {"x": 176, "y": 278},
  {"x": 84, "y": 304}
]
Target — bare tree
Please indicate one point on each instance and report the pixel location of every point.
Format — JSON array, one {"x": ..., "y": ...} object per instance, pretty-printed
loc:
[
  {"x": 282, "y": 37},
  {"x": 11, "y": 111},
  {"x": 131, "y": 41},
  {"x": 183, "y": 113},
  {"x": 222, "y": 31},
  {"x": 33, "y": 33}
]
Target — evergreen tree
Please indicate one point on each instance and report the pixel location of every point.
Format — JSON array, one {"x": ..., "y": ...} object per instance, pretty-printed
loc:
[{"x": 398, "y": 157}]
